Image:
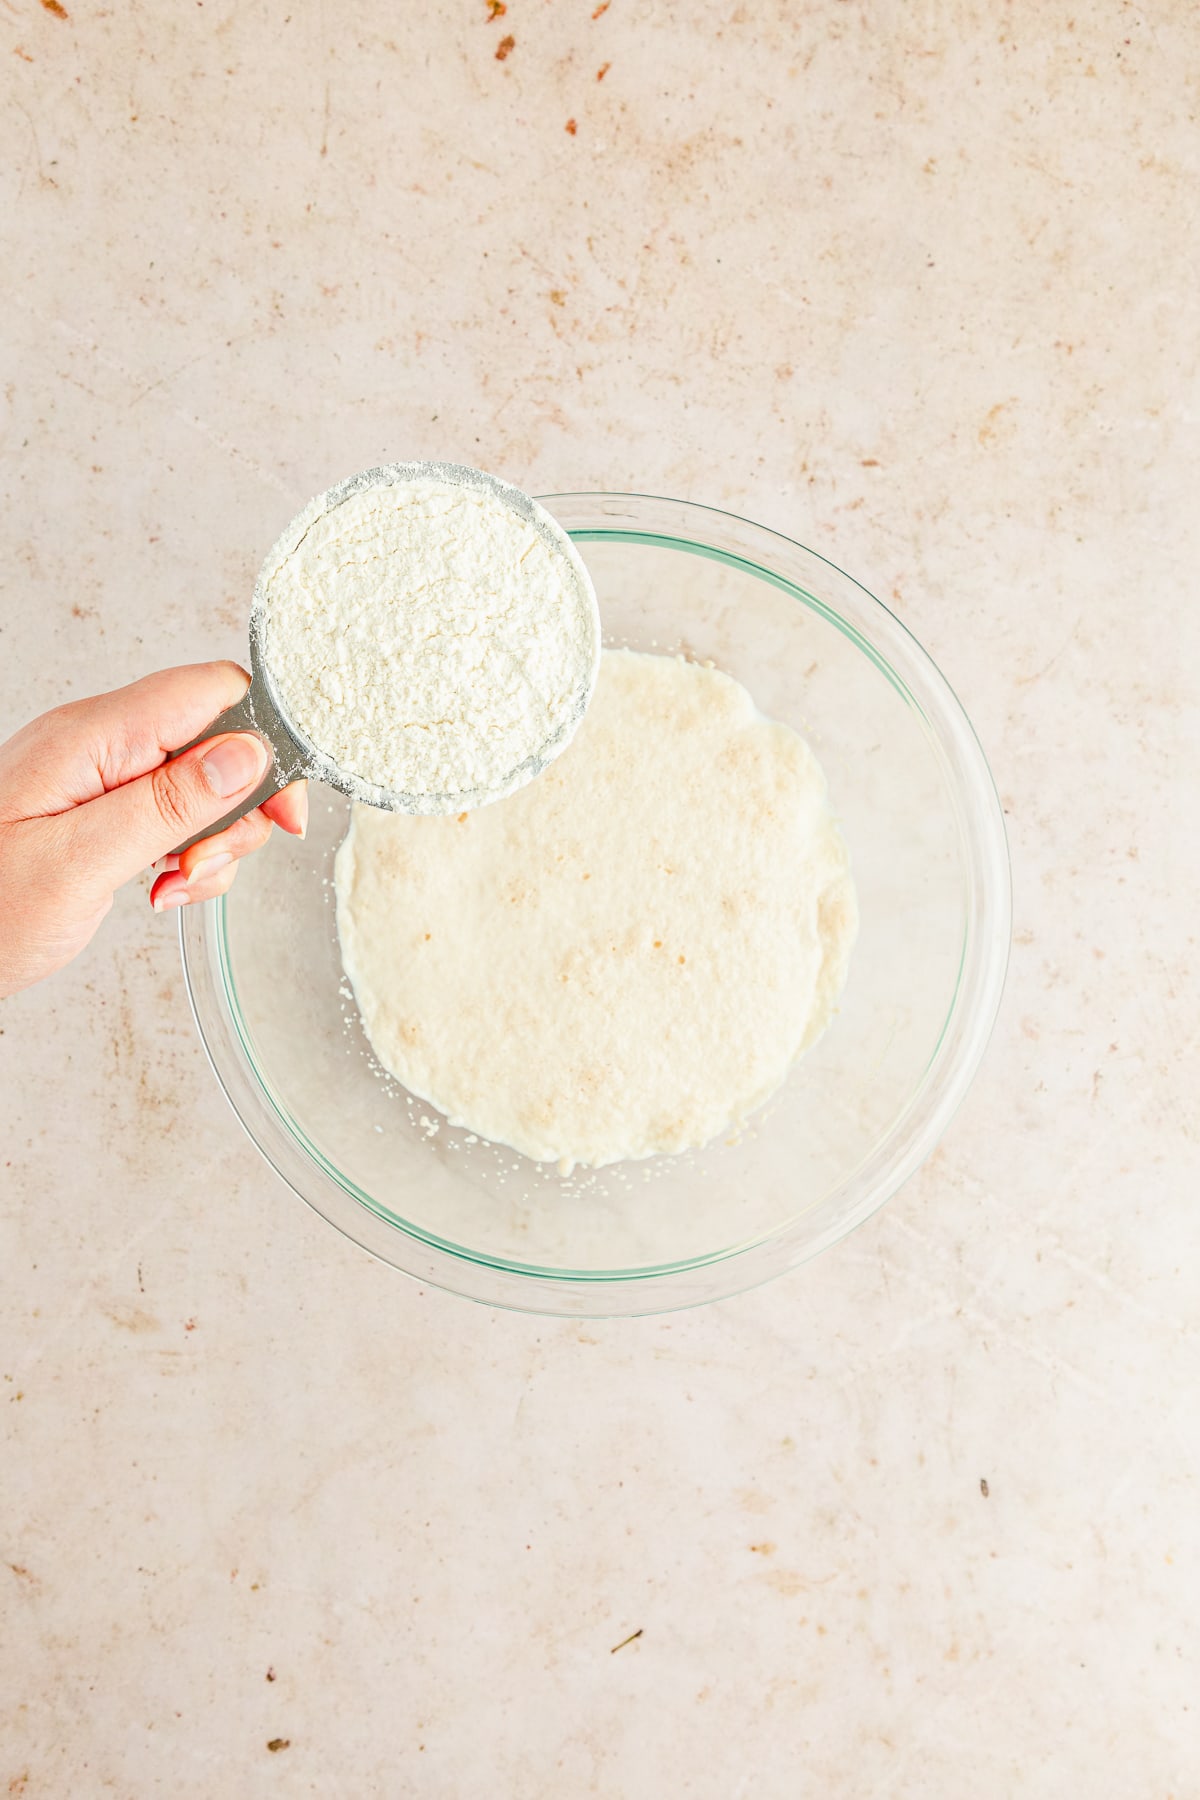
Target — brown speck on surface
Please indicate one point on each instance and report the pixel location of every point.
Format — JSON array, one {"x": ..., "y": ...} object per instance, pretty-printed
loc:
[
  {"x": 53, "y": 6},
  {"x": 571, "y": 127},
  {"x": 132, "y": 1318},
  {"x": 870, "y": 462},
  {"x": 274, "y": 1744},
  {"x": 504, "y": 46},
  {"x": 189, "y": 1324},
  {"x": 271, "y": 1673},
  {"x": 682, "y": 960},
  {"x": 602, "y": 71},
  {"x": 764, "y": 1549},
  {"x": 602, "y": 8},
  {"x": 633, "y": 1636},
  {"x": 496, "y": 9},
  {"x": 983, "y": 1486},
  {"x": 23, "y": 54},
  {"x": 989, "y": 431},
  {"x": 428, "y": 935},
  {"x": 559, "y": 296},
  {"x": 463, "y": 817}
]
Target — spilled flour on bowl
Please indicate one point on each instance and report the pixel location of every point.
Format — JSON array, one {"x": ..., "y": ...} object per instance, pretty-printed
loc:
[
  {"x": 434, "y": 638},
  {"x": 627, "y": 956}
]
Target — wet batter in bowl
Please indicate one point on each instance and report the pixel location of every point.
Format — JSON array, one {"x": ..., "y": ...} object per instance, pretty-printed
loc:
[{"x": 626, "y": 956}]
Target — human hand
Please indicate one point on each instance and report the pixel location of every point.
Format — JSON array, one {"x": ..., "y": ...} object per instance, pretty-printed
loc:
[{"x": 88, "y": 800}]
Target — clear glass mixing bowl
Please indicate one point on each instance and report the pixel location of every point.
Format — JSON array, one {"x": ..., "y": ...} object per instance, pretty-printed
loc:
[{"x": 916, "y": 801}]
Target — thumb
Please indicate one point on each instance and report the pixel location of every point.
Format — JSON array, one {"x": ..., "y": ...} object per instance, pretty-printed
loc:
[{"x": 120, "y": 833}]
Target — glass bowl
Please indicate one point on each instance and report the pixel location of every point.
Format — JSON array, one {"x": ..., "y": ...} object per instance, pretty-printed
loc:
[{"x": 912, "y": 790}]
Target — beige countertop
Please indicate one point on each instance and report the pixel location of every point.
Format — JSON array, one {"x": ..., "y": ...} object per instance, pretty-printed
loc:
[{"x": 916, "y": 285}]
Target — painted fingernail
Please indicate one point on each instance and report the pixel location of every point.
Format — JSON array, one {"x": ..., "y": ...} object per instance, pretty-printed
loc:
[
  {"x": 172, "y": 897},
  {"x": 208, "y": 866},
  {"x": 235, "y": 764}
]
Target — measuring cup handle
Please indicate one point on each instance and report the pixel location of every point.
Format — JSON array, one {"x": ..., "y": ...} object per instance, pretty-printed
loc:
[{"x": 245, "y": 716}]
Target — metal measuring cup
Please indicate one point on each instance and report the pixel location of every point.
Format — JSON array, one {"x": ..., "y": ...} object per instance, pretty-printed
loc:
[{"x": 262, "y": 711}]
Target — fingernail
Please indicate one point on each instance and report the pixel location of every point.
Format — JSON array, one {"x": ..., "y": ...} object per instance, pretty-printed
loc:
[
  {"x": 235, "y": 764},
  {"x": 208, "y": 866},
  {"x": 172, "y": 897},
  {"x": 304, "y": 813}
]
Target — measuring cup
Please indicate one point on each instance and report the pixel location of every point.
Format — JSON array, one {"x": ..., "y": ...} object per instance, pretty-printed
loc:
[{"x": 262, "y": 711}]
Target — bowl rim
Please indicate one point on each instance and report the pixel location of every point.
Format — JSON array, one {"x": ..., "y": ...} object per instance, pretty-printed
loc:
[{"x": 738, "y": 542}]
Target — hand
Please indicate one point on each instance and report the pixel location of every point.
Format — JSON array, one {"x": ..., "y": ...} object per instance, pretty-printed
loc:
[{"x": 88, "y": 800}]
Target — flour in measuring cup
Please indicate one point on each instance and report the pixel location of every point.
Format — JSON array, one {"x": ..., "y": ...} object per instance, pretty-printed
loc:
[{"x": 430, "y": 637}]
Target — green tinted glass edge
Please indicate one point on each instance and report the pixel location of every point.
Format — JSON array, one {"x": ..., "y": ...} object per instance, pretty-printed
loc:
[{"x": 649, "y": 1271}]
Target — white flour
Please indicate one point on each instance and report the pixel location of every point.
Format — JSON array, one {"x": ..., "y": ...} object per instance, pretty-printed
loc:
[
  {"x": 627, "y": 956},
  {"x": 434, "y": 638}
]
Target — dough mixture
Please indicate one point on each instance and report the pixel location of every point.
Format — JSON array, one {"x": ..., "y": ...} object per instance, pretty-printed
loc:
[
  {"x": 626, "y": 956},
  {"x": 433, "y": 638}
]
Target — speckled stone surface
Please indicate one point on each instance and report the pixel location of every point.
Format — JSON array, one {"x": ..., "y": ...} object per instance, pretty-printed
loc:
[{"x": 918, "y": 286}]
